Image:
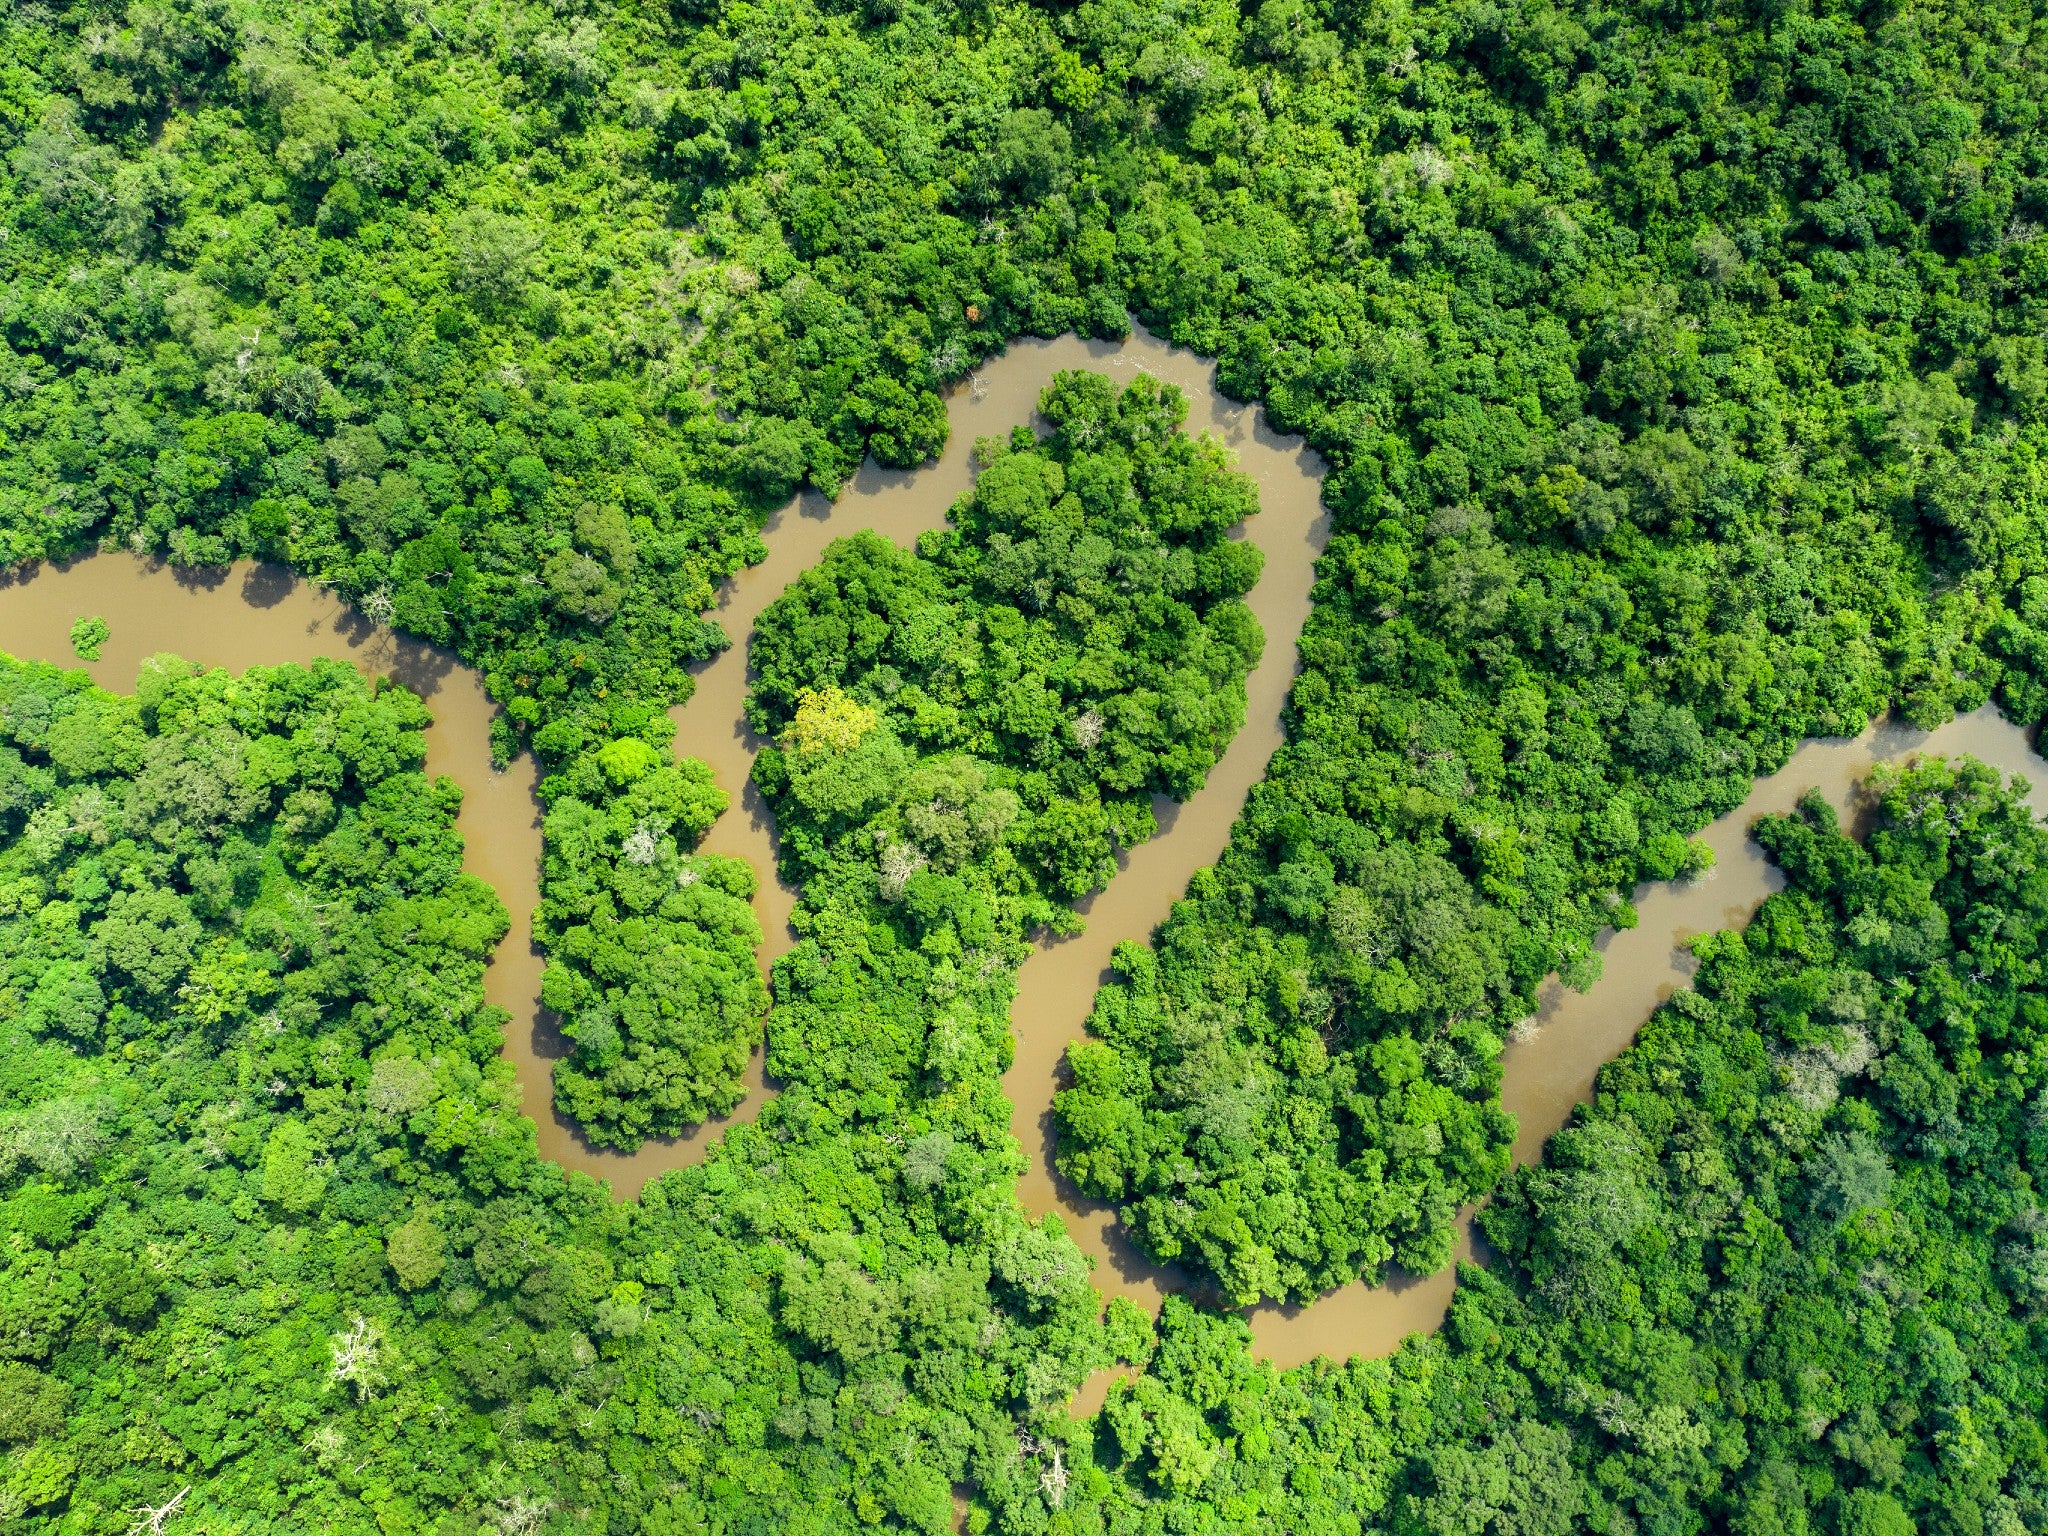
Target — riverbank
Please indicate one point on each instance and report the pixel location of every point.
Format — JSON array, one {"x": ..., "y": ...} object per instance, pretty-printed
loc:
[{"x": 252, "y": 614}]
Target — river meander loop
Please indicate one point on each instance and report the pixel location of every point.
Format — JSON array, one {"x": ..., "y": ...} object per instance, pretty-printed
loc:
[{"x": 252, "y": 615}]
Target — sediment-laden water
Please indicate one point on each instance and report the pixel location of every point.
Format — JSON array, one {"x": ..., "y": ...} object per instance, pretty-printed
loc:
[{"x": 261, "y": 615}]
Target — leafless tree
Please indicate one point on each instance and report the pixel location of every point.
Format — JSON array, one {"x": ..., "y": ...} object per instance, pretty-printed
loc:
[
  {"x": 899, "y": 862},
  {"x": 150, "y": 1522},
  {"x": 357, "y": 1356},
  {"x": 1052, "y": 1481},
  {"x": 521, "y": 1516},
  {"x": 643, "y": 844}
]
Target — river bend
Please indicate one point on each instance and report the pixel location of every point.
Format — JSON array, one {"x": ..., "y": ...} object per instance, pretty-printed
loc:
[{"x": 252, "y": 615}]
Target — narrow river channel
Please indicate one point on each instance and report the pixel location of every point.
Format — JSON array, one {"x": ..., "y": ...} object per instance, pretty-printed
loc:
[{"x": 261, "y": 615}]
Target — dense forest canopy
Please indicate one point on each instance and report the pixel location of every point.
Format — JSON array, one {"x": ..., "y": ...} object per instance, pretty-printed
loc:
[
  {"x": 1672, "y": 369},
  {"x": 1079, "y": 632},
  {"x": 250, "y": 1091},
  {"x": 652, "y": 946},
  {"x": 1680, "y": 374},
  {"x": 1785, "y": 1275},
  {"x": 272, "y": 1217},
  {"x": 275, "y": 1229}
]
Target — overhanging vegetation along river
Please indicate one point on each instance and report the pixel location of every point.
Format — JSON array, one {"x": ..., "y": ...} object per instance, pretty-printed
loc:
[{"x": 251, "y": 615}]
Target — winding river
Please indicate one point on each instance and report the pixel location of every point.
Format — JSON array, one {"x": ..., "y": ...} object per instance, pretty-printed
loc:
[{"x": 261, "y": 615}]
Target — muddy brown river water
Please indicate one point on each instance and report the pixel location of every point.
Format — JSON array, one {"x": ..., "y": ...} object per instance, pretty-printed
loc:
[{"x": 251, "y": 615}]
